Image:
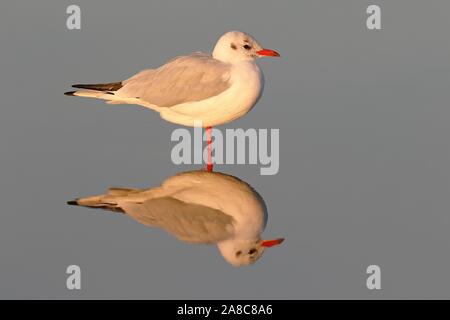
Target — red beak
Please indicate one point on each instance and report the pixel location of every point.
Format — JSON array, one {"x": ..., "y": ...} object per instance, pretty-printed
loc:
[
  {"x": 268, "y": 53},
  {"x": 271, "y": 243}
]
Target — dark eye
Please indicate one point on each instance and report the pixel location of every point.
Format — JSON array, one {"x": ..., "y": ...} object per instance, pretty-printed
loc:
[
  {"x": 247, "y": 47},
  {"x": 238, "y": 253},
  {"x": 252, "y": 251}
]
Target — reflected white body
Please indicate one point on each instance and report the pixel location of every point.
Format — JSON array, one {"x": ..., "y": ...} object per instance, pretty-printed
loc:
[{"x": 229, "y": 213}]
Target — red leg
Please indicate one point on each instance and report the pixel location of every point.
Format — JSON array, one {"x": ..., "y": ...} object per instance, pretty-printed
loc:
[{"x": 209, "y": 165}]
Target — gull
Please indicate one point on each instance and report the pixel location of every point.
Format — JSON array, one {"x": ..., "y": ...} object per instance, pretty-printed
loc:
[
  {"x": 200, "y": 88},
  {"x": 197, "y": 207}
]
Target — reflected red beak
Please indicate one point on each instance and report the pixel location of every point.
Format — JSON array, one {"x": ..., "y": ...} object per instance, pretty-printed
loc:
[
  {"x": 268, "y": 53},
  {"x": 271, "y": 243}
]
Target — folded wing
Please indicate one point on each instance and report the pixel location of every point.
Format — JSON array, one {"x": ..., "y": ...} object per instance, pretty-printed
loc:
[
  {"x": 184, "y": 79},
  {"x": 187, "y": 222}
]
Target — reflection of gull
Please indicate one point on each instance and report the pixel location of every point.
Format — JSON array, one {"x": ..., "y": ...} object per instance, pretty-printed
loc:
[
  {"x": 197, "y": 207},
  {"x": 214, "y": 89}
]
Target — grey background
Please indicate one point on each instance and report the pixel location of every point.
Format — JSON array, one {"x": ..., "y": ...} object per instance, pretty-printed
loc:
[{"x": 364, "y": 164}]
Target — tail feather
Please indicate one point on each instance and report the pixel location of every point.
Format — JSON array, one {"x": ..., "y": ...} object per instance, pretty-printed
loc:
[
  {"x": 112, "y": 86},
  {"x": 108, "y": 201},
  {"x": 107, "y": 91},
  {"x": 96, "y": 202}
]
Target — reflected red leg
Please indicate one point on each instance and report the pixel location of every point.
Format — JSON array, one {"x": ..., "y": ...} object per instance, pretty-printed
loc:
[{"x": 209, "y": 165}]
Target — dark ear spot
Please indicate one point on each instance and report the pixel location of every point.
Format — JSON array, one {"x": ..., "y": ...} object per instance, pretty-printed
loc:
[
  {"x": 233, "y": 46},
  {"x": 238, "y": 253}
]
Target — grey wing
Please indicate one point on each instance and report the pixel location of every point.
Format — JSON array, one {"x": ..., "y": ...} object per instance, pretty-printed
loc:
[
  {"x": 184, "y": 79},
  {"x": 188, "y": 222}
]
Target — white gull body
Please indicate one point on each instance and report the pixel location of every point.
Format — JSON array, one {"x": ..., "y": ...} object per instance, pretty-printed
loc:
[
  {"x": 214, "y": 89},
  {"x": 197, "y": 207}
]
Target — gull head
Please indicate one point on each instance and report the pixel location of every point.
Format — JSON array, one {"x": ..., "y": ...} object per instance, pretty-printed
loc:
[
  {"x": 239, "y": 252},
  {"x": 236, "y": 46}
]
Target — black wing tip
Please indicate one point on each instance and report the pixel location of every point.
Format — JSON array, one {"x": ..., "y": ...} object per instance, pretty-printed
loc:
[
  {"x": 111, "y": 86},
  {"x": 80, "y": 86},
  {"x": 72, "y": 202},
  {"x": 70, "y": 93}
]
